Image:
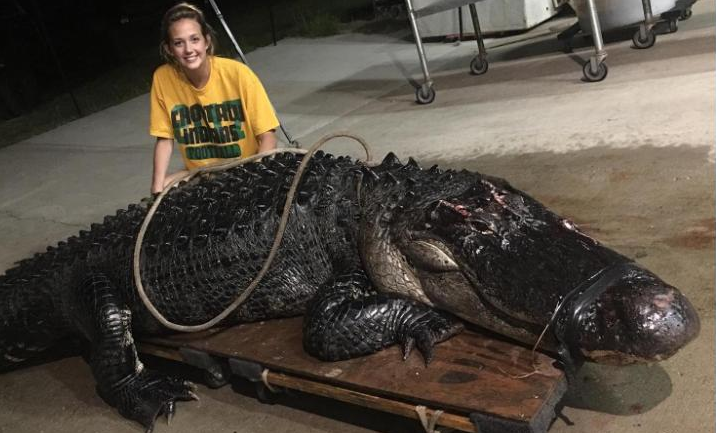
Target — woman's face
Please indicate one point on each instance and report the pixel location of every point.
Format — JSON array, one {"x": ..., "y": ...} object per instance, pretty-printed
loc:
[{"x": 187, "y": 44}]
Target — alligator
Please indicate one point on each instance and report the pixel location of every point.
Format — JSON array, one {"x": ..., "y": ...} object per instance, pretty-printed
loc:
[{"x": 371, "y": 256}]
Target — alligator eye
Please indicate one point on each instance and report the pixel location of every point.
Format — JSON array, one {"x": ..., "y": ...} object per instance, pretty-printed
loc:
[
  {"x": 430, "y": 255},
  {"x": 448, "y": 213}
]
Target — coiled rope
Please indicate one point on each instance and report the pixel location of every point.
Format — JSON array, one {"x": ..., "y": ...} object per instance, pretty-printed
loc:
[{"x": 277, "y": 239}]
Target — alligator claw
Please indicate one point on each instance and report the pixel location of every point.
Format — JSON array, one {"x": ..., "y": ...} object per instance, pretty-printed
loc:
[
  {"x": 148, "y": 395},
  {"x": 169, "y": 410},
  {"x": 429, "y": 331},
  {"x": 425, "y": 345},
  {"x": 422, "y": 337},
  {"x": 408, "y": 345}
]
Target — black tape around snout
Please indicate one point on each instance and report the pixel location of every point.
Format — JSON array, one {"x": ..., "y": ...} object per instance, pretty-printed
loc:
[{"x": 571, "y": 310}]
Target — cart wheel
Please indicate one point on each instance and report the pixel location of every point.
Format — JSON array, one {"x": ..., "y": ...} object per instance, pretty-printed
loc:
[
  {"x": 424, "y": 95},
  {"x": 593, "y": 77},
  {"x": 214, "y": 379},
  {"x": 478, "y": 66},
  {"x": 686, "y": 14},
  {"x": 673, "y": 27},
  {"x": 644, "y": 43},
  {"x": 264, "y": 395}
]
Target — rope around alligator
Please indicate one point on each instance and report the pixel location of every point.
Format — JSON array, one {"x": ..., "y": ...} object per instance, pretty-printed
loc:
[{"x": 308, "y": 154}]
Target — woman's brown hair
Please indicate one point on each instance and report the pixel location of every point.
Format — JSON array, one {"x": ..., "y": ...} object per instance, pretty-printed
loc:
[{"x": 178, "y": 12}]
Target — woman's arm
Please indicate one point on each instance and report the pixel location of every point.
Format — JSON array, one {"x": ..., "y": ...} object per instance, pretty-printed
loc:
[
  {"x": 162, "y": 154},
  {"x": 267, "y": 141}
]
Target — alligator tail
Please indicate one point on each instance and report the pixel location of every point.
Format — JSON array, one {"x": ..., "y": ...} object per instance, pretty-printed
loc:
[
  {"x": 36, "y": 305},
  {"x": 28, "y": 317}
]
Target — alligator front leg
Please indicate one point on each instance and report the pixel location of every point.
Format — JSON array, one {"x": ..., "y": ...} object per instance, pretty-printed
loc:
[
  {"x": 122, "y": 381},
  {"x": 347, "y": 319}
]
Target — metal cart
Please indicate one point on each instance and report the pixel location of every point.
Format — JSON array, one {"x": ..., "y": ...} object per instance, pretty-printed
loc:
[
  {"x": 651, "y": 16},
  {"x": 425, "y": 94},
  {"x": 645, "y": 36},
  {"x": 594, "y": 70}
]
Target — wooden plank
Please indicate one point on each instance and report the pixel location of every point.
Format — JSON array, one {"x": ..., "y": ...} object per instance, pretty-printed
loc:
[
  {"x": 159, "y": 351},
  {"x": 469, "y": 373},
  {"x": 445, "y": 419},
  {"x": 453, "y": 421}
]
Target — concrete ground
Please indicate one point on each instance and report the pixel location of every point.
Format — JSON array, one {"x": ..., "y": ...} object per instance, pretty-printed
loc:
[{"x": 631, "y": 159}]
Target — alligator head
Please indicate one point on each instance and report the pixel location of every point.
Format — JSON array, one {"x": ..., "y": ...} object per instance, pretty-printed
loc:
[{"x": 495, "y": 257}]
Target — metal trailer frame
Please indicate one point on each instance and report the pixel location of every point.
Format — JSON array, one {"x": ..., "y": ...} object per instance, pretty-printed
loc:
[
  {"x": 594, "y": 70},
  {"x": 219, "y": 15}
]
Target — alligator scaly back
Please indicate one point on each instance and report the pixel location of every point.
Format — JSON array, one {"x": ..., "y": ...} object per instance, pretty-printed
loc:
[{"x": 225, "y": 218}]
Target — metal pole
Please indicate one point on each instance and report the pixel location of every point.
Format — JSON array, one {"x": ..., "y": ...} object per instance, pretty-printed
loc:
[
  {"x": 648, "y": 15},
  {"x": 243, "y": 59},
  {"x": 599, "y": 53},
  {"x": 478, "y": 32},
  {"x": 648, "y": 19},
  {"x": 596, "y": 28},
  {"x": 419, "y": 43},
  {"x": 228, "y": 31},
  {"x": 459, "y": 19}
]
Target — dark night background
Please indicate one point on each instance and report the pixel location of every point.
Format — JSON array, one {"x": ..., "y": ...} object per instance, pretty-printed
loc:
[{"x": 64, "y": 59}]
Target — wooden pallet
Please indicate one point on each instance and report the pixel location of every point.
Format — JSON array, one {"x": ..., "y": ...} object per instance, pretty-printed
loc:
[{"x": 477, "y": 381}]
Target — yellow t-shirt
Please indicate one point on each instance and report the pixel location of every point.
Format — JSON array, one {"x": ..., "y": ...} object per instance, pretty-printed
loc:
[{"x": 216, "y": 123}]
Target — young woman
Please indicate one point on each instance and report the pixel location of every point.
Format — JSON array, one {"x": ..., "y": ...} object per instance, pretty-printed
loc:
[{"x": 214, "y": 108}]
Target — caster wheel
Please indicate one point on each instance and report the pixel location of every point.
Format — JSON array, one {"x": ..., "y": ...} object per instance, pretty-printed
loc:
[
  {"x": 214, "y": 378},
  {"x": 264, "y": 395},
  {"x": 478, "y": 66},
  {"x": 593, "y": 77},
  {"x": 685, "y": 14},
  {"x": 673, "y": 27},
  {"x": 644, "y": 43},
  {"x": 424, "y": 95}
]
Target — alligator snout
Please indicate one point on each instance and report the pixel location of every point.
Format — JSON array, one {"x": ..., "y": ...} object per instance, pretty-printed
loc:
[
  {"x": 639, "y": 318},
  {"x": 663, "y": 322}
]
